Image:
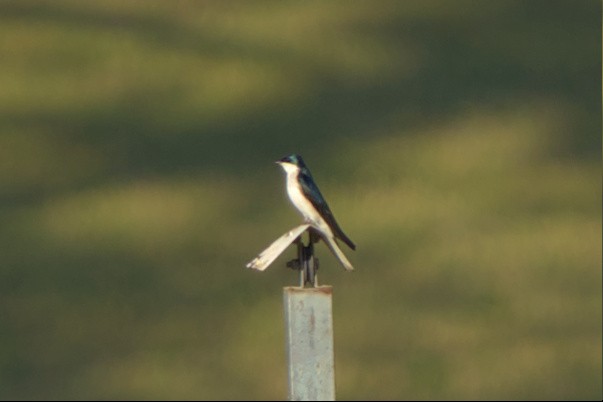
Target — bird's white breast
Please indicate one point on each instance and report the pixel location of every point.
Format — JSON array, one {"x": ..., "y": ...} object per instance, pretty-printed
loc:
[{"x": 300, "y": 201}]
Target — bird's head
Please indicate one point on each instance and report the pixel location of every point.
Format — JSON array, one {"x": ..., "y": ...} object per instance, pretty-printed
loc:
[{"x": 291, "y": 161}]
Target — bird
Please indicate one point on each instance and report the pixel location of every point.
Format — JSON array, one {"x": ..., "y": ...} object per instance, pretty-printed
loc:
[{"x": 307, "y": 198}]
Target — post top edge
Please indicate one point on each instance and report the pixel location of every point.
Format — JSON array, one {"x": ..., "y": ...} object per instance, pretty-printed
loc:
[{"x": 325, "y": 289}]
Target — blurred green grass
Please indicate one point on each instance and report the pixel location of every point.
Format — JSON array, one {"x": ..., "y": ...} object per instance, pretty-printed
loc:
[{"x": 458, "y": 143}]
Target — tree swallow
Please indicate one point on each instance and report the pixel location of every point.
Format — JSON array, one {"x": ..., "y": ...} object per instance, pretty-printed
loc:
[{"x": 306, "y": 197}]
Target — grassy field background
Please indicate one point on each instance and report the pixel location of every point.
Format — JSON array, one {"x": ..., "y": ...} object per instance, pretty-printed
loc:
[{"x": 458, "y": 144}]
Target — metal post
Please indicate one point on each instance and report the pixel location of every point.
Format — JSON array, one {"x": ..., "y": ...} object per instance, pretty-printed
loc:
[{"x": 309, "y": 333}]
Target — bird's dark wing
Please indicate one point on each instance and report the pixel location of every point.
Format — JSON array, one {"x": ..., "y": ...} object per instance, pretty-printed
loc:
[{"x": 313, "y": 194}]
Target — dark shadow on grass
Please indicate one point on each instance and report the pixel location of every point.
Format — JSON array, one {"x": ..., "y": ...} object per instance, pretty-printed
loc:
[{"x": 539, "y": 48}]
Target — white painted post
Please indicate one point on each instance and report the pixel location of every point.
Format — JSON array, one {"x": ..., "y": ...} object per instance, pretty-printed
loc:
[{"x": 309, "y": 337}]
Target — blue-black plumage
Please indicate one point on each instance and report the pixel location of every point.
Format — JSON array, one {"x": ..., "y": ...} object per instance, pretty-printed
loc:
[{"x": 309, "y": 201}]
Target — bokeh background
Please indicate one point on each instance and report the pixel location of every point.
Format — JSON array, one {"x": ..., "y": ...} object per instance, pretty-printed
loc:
[{"x": 458, "y": 143}]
